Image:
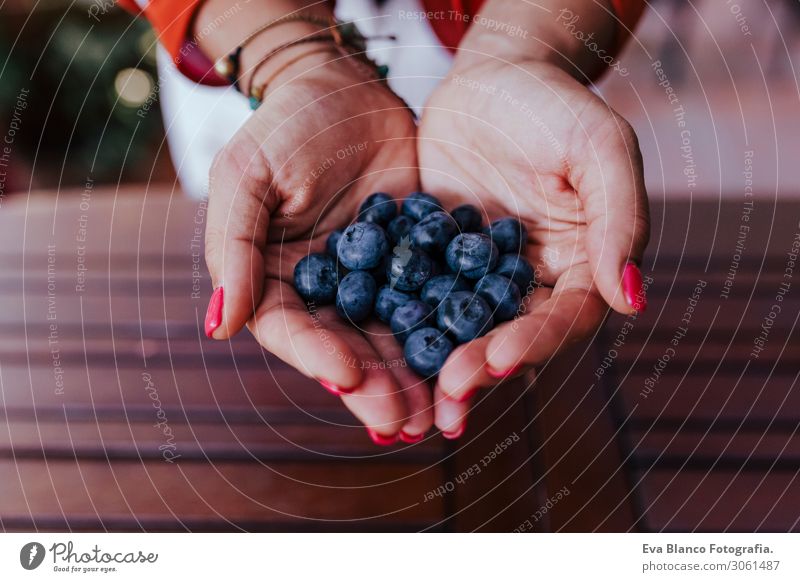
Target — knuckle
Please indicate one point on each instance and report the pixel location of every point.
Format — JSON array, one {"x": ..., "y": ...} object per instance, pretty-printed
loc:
[{"x": 242, "y": 160}]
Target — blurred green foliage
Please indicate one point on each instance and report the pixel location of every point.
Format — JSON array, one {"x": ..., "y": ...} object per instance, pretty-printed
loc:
[{"x": 75, "y": 126}]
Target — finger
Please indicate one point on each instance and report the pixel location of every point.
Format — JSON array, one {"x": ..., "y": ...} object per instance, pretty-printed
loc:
[
  {"x": 419, "y": 402},
  {"x": 608, "y": 176},
  {"x": 321, "y": 345},
  {"x": 449, "y": 416},
  {"x": 379, "y": 403},
  {"x": 571, "y": 313},
  {"x": 465, "y": 372},
  {"x": 238, "y": 217},
  {"x": 417, "y": 393},
  {"x": 311, "y": 342}
]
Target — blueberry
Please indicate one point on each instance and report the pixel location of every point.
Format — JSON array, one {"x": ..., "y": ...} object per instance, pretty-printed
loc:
[
  {"x": 426, "y": 351},
  {"x": 502, "y": 295},
  {"x": 438, "y": 287},
  {"x": 379, "y": 208},
  {"x": 388, "y": 300},
  {"x": 410, "y": 317},
  {"x": 517, "y": 269},
  {"x": 509, "y": 234},
  {"x": 399, "y": 228},
  {"x": 418, "y": 205},
  {"x": 464, "y": 316},
  {"x": 315, "y": 278},
  {"x": 362, "y": 246},
  {"x": 333, "y": 240},
  {"x": 472, "y": 255},
  {"x": 433, "y": 233},
  {"x": 356, "y": 296},
  {"x": 409, "y": 268},
  {"x": 467, "y": 217}
]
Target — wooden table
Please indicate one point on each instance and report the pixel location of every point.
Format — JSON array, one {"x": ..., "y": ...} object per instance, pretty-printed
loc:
[{"x": 118, "y": 414}]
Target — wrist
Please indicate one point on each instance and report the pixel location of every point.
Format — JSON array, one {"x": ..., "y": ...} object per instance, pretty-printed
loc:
[
  {"x": 263, "y": 58},
  {"x": 323, "y": 72},
  {"x": 321, "y": 64},
  {"x": 569, "y": 34},
  {"x": 277, "y": 41},
  {"x": 220, "y": 26}
]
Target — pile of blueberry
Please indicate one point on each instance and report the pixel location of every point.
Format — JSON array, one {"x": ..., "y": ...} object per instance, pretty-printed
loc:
[{"x": 438, "y": 279}]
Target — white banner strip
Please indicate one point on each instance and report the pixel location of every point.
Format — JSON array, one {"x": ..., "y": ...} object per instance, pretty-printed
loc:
[{"x": 400, "y": 557}]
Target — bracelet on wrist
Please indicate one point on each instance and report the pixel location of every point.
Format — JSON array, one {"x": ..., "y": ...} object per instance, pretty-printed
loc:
[
  {"x": 347, "y": 40},
  {"x": 229, "y": 66}
]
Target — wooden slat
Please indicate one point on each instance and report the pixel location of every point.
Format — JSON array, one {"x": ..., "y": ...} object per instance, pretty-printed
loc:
[
  {"x": 266, "y": 441},
  {"x": 755, "y": 397},
  {"x": 716, "y": 501},
  {"x": 758, "y": 450},
  {"x": 176, "y": 387},
  {"x": 217, "y": 492}
]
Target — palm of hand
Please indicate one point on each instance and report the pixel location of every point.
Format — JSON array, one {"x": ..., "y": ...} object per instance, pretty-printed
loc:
[
  {"x": 308, "y": 157},
  {"x": 526, "y": 140},
  {"x": 512, "y": 148}
]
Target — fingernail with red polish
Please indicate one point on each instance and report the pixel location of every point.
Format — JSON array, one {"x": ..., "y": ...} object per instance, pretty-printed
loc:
[
  {"x": 214, "y": 312},
  {"x": 632, "y": 287},
  {"x": 500, "y": 375},
  {"x": 454, "y": 434},
  {"x": 411, "y": 439},
  {"x": 333, "y": 388},
  {"x": 381, "y": 440}
]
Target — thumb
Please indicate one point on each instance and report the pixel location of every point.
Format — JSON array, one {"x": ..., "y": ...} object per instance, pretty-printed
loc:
[
  {"x": 236, "y": 234},
  {"x": 609, "y": 180}
]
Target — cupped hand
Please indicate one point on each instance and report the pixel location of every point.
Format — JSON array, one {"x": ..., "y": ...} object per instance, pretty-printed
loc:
[
  {"x": 297, "y": 170},
  {"x": 527, "y": 140}
]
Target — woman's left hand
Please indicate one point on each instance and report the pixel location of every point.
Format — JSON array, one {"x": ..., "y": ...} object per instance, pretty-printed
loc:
[{"x": 525, "y": 139}]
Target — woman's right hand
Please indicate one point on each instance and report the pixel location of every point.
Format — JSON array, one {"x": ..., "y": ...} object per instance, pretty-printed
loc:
[{"x": 298, "y": 169}]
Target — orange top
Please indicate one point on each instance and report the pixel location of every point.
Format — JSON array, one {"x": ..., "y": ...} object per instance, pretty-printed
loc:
[{"x": 172, "y": 21}]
